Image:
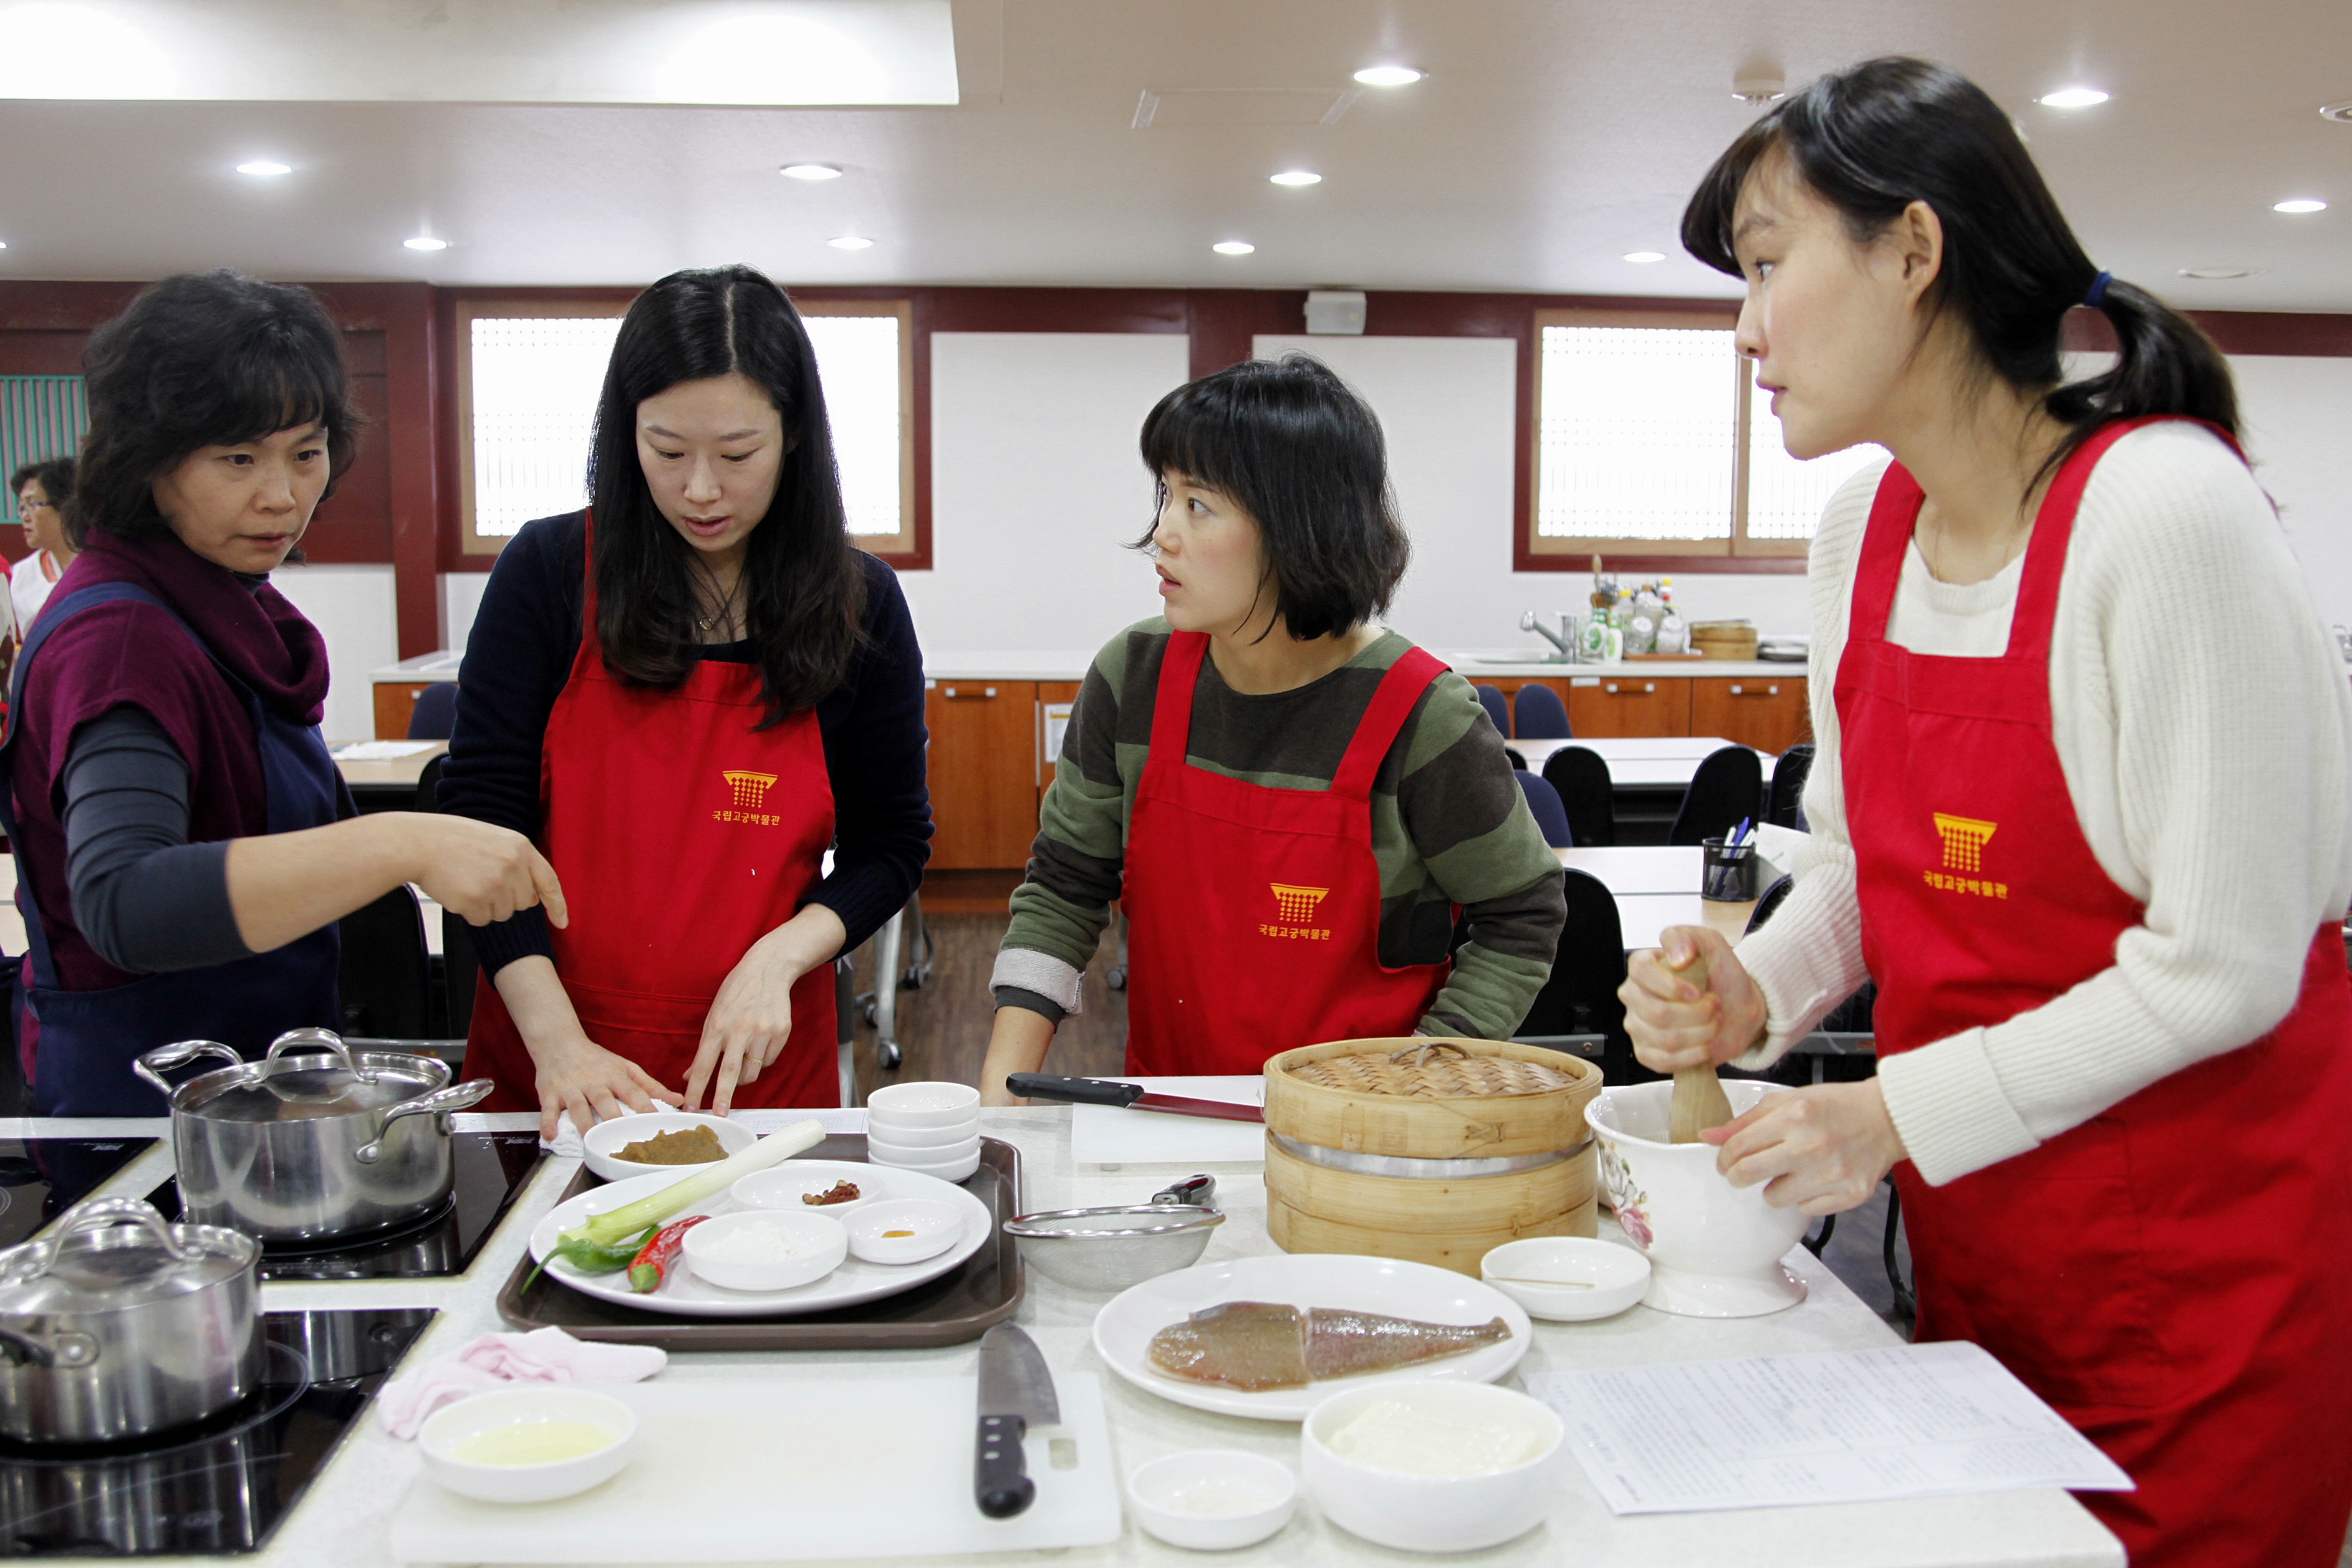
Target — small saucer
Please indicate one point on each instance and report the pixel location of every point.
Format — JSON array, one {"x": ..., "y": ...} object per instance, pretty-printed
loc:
[{"x": 1722, "y": 1295}]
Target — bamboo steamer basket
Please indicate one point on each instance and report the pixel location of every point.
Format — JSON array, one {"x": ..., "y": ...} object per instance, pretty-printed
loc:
[
  {"x": 1723, "y": 639},
  {"x": 1341, "y": 1116}
]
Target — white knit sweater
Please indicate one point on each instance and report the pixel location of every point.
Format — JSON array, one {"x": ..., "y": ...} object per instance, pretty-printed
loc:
[{"x": 2203, "y": 721}]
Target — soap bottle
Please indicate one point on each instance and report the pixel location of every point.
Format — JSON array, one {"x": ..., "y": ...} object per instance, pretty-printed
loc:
[{"x": 1674, "y": 634}]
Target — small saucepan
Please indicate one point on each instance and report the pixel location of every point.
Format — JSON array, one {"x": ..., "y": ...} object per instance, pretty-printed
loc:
[{"x": 315, "y": 1143}]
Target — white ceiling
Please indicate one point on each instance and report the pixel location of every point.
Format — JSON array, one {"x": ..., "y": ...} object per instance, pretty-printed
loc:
[{"x": 1550, "y": 137}]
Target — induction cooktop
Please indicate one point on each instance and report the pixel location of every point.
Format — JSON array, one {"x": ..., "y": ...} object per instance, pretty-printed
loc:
[{"x": 40, "y": 1178}]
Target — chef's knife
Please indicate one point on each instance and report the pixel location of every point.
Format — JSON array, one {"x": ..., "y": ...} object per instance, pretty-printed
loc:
[
  {"x": 1016, "y": 1393},
  {"x": 1131, "y": 1096}
]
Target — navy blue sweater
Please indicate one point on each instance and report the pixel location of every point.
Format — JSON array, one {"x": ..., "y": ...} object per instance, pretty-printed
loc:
[{"x": 520, "y": 656}]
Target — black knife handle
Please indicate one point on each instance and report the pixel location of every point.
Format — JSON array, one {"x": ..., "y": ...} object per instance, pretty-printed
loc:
[
  {"x": 1082, "y": 1091},
  {"x": 999, "y": 1471}
]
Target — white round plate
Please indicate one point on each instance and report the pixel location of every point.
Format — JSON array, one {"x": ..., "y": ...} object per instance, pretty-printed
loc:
[
  {"x": 1123, "y": 1329},
  {"x": 686, "y": 1296}
]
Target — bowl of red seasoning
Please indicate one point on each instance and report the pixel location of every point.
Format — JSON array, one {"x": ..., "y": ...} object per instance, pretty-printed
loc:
[{"x": 831, "y": 1188}]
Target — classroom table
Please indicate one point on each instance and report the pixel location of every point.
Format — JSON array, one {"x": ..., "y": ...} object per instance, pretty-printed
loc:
[
  {"x": 1640, "y": 868},
  {"x": 388, "y": 784}
]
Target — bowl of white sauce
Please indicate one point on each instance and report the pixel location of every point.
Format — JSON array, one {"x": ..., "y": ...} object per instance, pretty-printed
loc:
[
  {"x": 763, "y": 1250},
  {"x": 532, "y": 1444},
  {"x": 1212, "y": 1500},
  {"x": 1433, "y": 1466}
]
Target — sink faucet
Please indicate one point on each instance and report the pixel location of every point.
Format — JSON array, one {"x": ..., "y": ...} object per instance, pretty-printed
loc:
[{"x": 1564, "y": 639}]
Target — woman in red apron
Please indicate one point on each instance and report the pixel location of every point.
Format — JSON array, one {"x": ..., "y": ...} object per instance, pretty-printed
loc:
[
  {"x": 1264, "y": 778},
  {"x": 2100, "y": 886},
  {"x": 687, "y": 695}
]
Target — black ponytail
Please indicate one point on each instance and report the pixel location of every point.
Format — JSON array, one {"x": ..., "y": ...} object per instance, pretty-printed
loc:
[{"x": 1873, "y": 139}]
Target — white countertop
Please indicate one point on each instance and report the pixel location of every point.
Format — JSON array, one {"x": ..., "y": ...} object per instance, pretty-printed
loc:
[{"x": 345, "y": 1517}]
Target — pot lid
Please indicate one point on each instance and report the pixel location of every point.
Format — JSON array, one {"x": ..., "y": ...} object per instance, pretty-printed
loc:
[
  {"x": 1438, "y": 1070},
  {"x": 111, "y": 1253},
  {"x": 307, "y": 1075}
]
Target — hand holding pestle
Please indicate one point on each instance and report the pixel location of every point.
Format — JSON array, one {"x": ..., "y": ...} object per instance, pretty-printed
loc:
[{"x": 1699, "y": 1102}]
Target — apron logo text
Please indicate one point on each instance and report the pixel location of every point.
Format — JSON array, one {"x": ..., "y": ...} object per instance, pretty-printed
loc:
[
  {"x": 750, "y": 790},
  {"x": 1293, "y": 908},
  {"x": 1966, "y": 884}
]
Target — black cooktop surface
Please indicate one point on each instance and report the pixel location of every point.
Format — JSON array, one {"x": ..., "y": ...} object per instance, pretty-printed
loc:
[
  {"x": 490, "y": 1169},
  {"x": 220, "y": 1486},
  {"x": 40, "y": 1178}
]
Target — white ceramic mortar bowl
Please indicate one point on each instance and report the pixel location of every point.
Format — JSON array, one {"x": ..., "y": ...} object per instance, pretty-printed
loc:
[{"x": 1435, "y": 1513}]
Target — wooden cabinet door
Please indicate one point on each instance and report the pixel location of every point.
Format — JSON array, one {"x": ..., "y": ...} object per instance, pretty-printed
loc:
[
  {"x": 1606, "y": 708},
  {"x": 1768, "y": 712},
  {"x": 395, "y": 701},
  {"x": 983, "y": 772},
  {"x": 1053, "y": 700}
]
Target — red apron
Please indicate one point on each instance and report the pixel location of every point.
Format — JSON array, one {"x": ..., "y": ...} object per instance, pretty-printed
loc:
[
  {"x": 683, "y": 835},
  {"x": 1253, "y": 912},
  {"x": 2169, "y": 1274}
]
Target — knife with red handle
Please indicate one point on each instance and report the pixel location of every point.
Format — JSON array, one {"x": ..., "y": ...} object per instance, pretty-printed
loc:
[{"x": 1130, "y": 1096}]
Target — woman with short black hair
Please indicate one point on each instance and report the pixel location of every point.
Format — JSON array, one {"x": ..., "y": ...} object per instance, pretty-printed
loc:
[
  {"x": 686, "y": 693},
  {"x": 1288, "y": 800},
  {"x": 2097, "y": 869},
  {"x": 42, "y": 490},
  {"x": 183, "y": 844}
]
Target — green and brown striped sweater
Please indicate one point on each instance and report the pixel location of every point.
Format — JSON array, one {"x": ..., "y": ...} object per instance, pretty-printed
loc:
[{"x": 1449, "y": 826}]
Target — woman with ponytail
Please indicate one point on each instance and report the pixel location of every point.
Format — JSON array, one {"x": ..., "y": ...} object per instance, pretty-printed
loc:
[
  {"x": 687, "y": 694},
  {"x": 2080, "y": 809}
]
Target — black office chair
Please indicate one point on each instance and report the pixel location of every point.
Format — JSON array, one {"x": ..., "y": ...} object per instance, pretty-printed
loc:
[
  {"x": 1767, "y": 906},
  {"x": 1581, "y": 779},
  {"x": 435, "y": 714},
  {"x": 1723, "y": 792},
  {"x": 1787, "y": 808},
  {"x": 1497, "y": 709},
  {"x": 386, "y": 974},
  {"x": 1543, "y": 802},
  {"x": 1538, "y": 714},
  {"x": 1579, "y": 997}
]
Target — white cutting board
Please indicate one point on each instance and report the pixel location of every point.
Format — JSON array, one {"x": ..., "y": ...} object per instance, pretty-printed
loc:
[
  {"x": 1107, "y": 1135},
  {"x": 738, "y": 1471}
]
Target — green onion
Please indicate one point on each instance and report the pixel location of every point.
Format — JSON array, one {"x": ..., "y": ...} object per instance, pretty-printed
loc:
[{"x": 607, "y": 1230}]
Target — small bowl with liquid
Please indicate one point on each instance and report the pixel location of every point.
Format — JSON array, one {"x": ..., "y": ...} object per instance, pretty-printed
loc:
[
  {"x": 532, "y": 1444},
  {"x": 1212, "y": 1500}
]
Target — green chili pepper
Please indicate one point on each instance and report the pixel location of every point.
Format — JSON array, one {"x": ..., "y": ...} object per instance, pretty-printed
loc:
[{"x": 589, "y": 1258}]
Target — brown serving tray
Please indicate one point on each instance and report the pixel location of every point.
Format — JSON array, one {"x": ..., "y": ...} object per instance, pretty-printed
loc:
[{"x": 958, "y": 1305}]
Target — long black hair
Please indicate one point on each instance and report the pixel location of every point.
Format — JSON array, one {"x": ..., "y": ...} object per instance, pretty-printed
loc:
[
  {"x": 1871, "y": 140},
  {"x": 803, "y": 589},
  {"x": 203, "y": 359},
  {"x": 1304, "y": 456}
]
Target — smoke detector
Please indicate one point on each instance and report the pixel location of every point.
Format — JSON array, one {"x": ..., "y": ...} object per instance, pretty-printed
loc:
[{"x": 1759, "y": 84}]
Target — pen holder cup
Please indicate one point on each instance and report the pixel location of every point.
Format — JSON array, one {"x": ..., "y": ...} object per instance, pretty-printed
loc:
[{"x": 1729, "y": 875}]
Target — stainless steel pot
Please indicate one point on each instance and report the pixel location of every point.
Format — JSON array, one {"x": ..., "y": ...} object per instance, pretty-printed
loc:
[
  {"x": 117, "y": 1324},
  {"x": 314, "y": 1142}
]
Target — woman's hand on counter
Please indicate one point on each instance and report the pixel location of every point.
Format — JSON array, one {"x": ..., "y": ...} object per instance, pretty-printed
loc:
[
  {"x": 1823, "y": 1148},
  {"x": 752, "y": 1017},
  {"x": 1675, "y": 1024},
  {"x": 574, "y": 1072}
]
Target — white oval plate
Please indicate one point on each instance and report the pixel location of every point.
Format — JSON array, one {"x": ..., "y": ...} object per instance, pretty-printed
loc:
[
  {"x": 684, "y": 1296},
  {"x": 1123, "y": 1329}
]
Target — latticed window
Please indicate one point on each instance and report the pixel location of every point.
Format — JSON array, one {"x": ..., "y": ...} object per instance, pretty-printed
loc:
[{"x": 40, "y": 417}]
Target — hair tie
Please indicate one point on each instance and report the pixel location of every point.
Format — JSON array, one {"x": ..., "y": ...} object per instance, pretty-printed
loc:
[{"x": 2098, "y": 289}]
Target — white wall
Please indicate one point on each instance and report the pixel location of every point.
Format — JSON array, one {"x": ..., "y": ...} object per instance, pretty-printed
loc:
[
  {"x": 352, "y": 607},
  {"x": 461, "y": 597},
  {"x": 2297, "y": 414},
  {"x": 1036, "y": 489}
]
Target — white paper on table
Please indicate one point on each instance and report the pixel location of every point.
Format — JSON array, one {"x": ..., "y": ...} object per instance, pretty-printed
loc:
[
  {"x": 381, "y": 751},
  {"x": 1778, "y": 848},
  {"x": 1914, "y": 1420}
]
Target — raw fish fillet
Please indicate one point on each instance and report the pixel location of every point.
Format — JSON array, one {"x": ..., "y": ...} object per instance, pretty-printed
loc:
[{"x": 1263, "y": 1344}]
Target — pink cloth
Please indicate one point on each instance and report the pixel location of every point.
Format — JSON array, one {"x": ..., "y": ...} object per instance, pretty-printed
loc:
[{"x": 495, "y": 1360}]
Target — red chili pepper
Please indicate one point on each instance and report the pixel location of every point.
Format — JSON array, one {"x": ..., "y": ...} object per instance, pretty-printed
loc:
[{"x": 651, "y": 1265}]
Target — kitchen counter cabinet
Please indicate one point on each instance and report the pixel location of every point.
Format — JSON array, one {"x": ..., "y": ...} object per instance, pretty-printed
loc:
[
  {"x": 346, "y": 1517},
  {"x": 1632, "y": 702},
  {"x": 1769, "y": 713},
  {"x": 983, "y": 772}
]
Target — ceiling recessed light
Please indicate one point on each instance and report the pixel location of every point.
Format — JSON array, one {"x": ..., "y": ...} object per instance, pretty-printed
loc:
[
  {"x": 425, "y": 242},
  {"x": 1232, "y": 247},
  {"x": 809, "y": 171},
  {"x": 1646, "y": 257},
  {"x": 1389, "y": 75},
  {"x": 263, "y": 169},
  {"x": 2339, "y": 111},
  {"x": 2072, "y": 98},
  {"x": 2214, "y": 273},
  {"x": 2300, "y": 204},
  {"x": 850, "y": 242},
  {"x": 4, "y": 245},
  {"x": 1296, "y": 177}
]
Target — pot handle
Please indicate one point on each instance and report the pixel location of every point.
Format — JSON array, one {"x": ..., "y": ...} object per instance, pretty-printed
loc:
[
  {"x": 314, "y": 1040},
  {"x": 69, "y": 1349},
  {"x": 156, "y": 1062},
  {"x": 457, "y": 1097},
  {"x": 35, "y": 1259}
]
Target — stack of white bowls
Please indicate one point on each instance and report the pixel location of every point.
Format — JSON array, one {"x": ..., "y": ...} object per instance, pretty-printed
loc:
[{"x": 933, "y": 1128}]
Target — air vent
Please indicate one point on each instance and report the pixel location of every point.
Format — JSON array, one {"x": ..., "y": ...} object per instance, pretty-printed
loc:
[
  {"x": 2217, "y": 274},
  {"x": 1241, "y": 106}
]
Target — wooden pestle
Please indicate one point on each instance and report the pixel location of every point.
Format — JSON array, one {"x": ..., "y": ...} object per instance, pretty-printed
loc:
[{"x": 1699, "y": 1102}]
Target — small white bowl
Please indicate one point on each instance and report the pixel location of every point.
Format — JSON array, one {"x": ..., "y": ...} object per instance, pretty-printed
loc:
[
  {"x": 783, "y": 1189},
  {"x": 819, "y": 1244},
  {"x": 907, "y": 1137},
  {"x": 921, "y": 1104},
  {"x": 955, "y": 1169},
  {"x": 1212, "y": 1500},
  {"x": 602, "y": 1143},
  {"x": 1597, "y": 1278},
  {"x": 447, "y": 1428},
  {"x": 936, "y": 1226},
  {"x": 1435, "y": 1513},
  {"x": 890, "y": 1151}
]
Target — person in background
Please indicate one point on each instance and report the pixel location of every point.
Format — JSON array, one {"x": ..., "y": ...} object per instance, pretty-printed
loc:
[
  {"x": 183, "y": 844},
  {"x": 2097, "y": 870},
  {"x": 1288, "y": 801},
  {"x": 42, "y": 490},
  {"x": 687, "y": 694}
]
